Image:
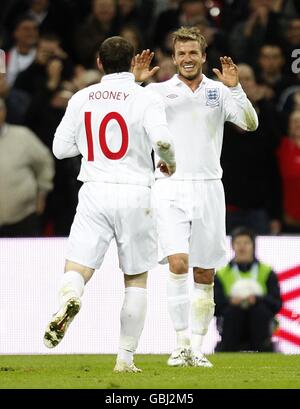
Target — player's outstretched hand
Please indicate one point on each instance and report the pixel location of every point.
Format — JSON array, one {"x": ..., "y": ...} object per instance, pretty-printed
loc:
[
  {"x": 229, "y": 75},
  {"x": 166, "y": 169},
  {"x": 141, "y": 68}
]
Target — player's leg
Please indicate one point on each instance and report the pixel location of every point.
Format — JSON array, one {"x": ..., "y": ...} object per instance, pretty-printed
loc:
[
  {"x": 207, "y": 252},
  {"x": 179, "y": 307},
  {"x": 135, "y": 234},
  {"x": 202, "y": 312},
  {"x": 88, "y": 241},
  {"x": 174, "y": 233},
  {"x": 73, "y": 281},
  {"x": 70, "y": 292},
  {"x": 173, "y": 202},
  {"x": 132, "y": 319}
]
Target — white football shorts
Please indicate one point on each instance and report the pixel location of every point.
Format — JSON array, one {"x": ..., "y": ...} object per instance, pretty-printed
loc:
[
  {"x": 191, "y": 220},
  {"x": 106, "y": 211}
]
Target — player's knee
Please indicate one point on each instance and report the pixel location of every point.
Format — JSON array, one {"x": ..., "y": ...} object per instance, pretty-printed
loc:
[
  {"x": 203, "y": 275},
  {"x": 86, "y": 272},
  {"x": 137, "y": 280},
  {"x": 179, "y": 263}
]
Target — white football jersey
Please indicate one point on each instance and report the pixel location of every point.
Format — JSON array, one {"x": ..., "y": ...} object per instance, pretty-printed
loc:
[
  {"x": 196, "y": 121},
  {"x": 111, "y": 124}
]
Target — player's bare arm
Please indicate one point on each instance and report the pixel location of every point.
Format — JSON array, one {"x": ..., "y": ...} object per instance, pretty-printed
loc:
[
  {"x": 229, "y": 75},
  {"x": 141, "y": 69}
]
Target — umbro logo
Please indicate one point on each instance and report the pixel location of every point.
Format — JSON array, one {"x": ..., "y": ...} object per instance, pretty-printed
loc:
[{"x": 172, "y": 96}]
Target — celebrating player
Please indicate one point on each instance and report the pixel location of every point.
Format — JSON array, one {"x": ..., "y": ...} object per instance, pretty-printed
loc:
[
  {"x": 191, "y": 205},
  {"x": 114, "y": 125}
]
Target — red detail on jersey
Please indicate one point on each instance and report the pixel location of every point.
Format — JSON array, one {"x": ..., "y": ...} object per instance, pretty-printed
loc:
[
  {"x": 89, "y": 135},
  {"x": 102, "y": 136}
]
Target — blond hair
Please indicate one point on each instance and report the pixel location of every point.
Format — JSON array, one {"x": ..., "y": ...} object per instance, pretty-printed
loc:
[{"x": 190, "y": 34}]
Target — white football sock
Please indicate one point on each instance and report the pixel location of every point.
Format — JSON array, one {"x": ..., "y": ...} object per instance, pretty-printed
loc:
[
  {"x": 72, "y": 285},
  {"x": 133, "y": 315},
  {"x": 179, "y": 306},
  {"x": 183, "y": 338},
  {"x": 203, "y": 308}
]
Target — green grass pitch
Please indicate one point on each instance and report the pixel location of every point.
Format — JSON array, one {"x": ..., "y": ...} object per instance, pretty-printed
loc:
[{"x": 240, "y": 370}]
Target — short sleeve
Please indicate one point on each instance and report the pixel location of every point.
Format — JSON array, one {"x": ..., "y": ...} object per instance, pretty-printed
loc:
[{"x": 155, "y": 114}]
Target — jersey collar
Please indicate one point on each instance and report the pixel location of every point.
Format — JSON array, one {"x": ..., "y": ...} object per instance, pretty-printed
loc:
[
  {"x": 119, "y": 76},
  {"x": 175, "y": 80}
]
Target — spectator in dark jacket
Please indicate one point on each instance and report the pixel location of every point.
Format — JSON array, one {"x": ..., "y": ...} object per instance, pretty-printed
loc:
[
  {"x": 188, "y": 14},
  {"x": 35, "y": 75},
  {"x": 22, "y": 54},
  {"x": 261, "y": 26},
  {"x": 251, "y": 175},
  {"x": 247, "y": 297},
  {"x": 101, "y": 23},
  {"x": 271, "y": 63},
  {"x": 43, "y": 116},
  {"x": 51, "y": 16}
]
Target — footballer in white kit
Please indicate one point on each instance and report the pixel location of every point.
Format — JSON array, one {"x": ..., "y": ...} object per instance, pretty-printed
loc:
[
  {"x": 114, "y": 125},
  {"x": 191, "y": 204}
]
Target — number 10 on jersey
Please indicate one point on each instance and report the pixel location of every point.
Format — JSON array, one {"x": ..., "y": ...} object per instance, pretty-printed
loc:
[{"x": 102, "y": 136}]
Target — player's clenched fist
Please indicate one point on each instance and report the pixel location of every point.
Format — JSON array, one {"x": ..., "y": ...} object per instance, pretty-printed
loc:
[{"x": 166, "y": 169}]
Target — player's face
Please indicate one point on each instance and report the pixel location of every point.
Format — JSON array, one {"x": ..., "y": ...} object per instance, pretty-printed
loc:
[
  {"x": 243, "y": 248},
  {"x": 189, "y": 59}
]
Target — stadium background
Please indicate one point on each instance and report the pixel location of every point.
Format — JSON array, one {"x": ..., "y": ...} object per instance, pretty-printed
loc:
[{"x": 30, "y": 268}]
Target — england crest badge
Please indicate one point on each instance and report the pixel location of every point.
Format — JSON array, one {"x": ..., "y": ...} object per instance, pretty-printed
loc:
[{"x": 212, "y": 96}]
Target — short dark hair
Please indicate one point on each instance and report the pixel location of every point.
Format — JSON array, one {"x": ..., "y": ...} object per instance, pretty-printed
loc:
[
  {"x": 22, "y": 18},
  {"x": 243, "y": 231},
  {"x": 115, "y": 54}
]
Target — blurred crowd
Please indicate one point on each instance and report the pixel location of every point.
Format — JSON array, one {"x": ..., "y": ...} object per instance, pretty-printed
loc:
[{"x": 51, "y": 48}]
